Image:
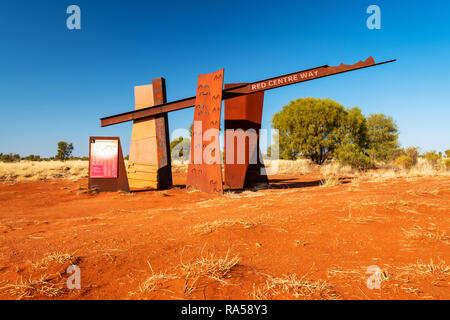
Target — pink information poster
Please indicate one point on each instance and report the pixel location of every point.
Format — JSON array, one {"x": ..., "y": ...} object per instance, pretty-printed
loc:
[{"x": 104, "y": 158}]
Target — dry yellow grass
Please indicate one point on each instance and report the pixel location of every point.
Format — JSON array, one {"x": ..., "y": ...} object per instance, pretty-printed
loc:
[
  {"x": 361, "y": 219},
  {"x": 209, "y": 227},
  {"x": 179, "y": 167},
  {"x": 30, "y": 288},
  {"x": 329, "y": 182},
  {"x": 297, "y": 287},
  {"x": 441, "y": 268},
  {"x": 408, "y": 278},
  {"x": 57, "y": 257},
  {"x": 78, "y": 169},
  {"x": 44, "y": 170},
  {"x": 208, "y": 266},
  {"x": 48, "y": 285},
  {"x": 300, "y": 166},
  {"x": 422, "y": 169},
  {"x": 154, "y": 282},
  {"x": 335, "y": 169},
  {"x": 430, "y": 233}
]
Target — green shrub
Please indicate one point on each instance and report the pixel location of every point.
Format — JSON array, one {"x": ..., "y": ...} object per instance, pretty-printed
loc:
[
  {"x": 353, "y": 156},
  {"x": 32, "y": 157},
  {"x": 404, "y": 162},
  {"x": 9, "y": 157},
  {"x": 382, "y": 136},
  {"x": 447, "y": 153}
]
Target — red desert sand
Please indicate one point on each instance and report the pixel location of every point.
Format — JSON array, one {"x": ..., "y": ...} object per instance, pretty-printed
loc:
[{"x": 296, "y": 239}]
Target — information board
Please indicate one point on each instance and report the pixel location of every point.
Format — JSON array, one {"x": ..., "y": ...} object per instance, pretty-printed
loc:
[{"x": 104, "y": 158}]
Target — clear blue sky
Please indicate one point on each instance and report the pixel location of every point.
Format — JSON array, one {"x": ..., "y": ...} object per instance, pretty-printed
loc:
[{"x": 55, "y": 84}]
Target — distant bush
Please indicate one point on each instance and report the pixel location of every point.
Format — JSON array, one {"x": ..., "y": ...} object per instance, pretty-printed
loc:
[
  {"x": 9, "y": 157},
  {"x": 413, "y": 153},
  {"x": 32, "y": 157},
  {"x": 445, "y": 164},
  {"x": 404, "y": 162},
  {"x": 353, "y": 156},
  {"x": 447, "y": 153},
  {"x": 432, "y": 157},
  {"x": 80, "y": 158}
]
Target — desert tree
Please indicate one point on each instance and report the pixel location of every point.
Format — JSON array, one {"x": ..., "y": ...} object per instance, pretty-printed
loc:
[
  {"x": 64, "y": 151},
  {"x": 318, "y": 129},
  {"x": 382, "y": 137}
]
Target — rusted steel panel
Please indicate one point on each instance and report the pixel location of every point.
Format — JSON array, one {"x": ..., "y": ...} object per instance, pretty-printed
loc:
[
  {"x": 120, "y": 183},
  {"x": 243, "y": 113},
  {"x": 204, "y": 170},
  {"x": 272, "y": 83}
]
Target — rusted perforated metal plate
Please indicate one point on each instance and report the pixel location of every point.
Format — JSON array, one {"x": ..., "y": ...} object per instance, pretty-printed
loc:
[{"x": 204, "y": 170}]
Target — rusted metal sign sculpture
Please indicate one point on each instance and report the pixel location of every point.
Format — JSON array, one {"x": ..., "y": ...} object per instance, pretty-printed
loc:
[
  {"x": 204, "y": 171},
  {"x": 243, "y": 110}
]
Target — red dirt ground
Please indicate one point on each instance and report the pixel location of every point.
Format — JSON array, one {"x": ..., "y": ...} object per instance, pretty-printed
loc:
[{"x": 326, "y": 236}]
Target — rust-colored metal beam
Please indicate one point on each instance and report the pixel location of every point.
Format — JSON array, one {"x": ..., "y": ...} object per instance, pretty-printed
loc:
[{"x": 272, "y": 83}]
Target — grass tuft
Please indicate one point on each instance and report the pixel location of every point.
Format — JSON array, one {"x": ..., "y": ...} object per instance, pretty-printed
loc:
[
  {"x": 210, "y": 266},
  {"x": 31, "y": 288},
  {"x": 297, "y": 287}
]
